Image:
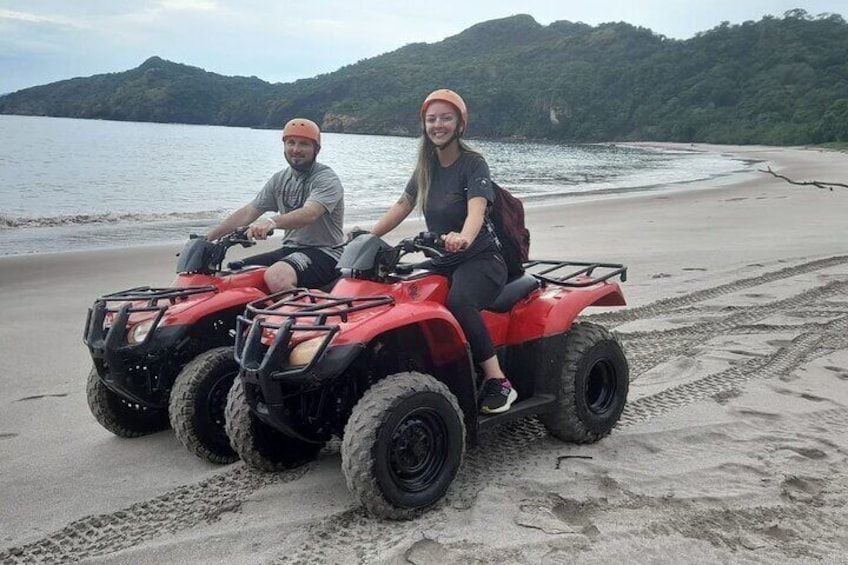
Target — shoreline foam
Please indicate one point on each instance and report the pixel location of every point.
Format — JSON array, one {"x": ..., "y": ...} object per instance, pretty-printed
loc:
[{"x": 81, "y": 232}]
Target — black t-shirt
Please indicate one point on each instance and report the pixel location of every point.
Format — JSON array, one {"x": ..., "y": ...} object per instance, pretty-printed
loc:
[
  {"x": 447, "y": 203},
  {"x": 450, "y": 190}
]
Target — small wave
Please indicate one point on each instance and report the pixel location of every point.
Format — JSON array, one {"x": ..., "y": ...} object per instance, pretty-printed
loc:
[{"x": 8, "y": 221}]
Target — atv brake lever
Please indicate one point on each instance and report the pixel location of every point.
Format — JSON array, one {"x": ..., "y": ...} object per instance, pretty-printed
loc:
[
  {"x": 431, "y": 250},
  {"x": 407, "y": 268}
]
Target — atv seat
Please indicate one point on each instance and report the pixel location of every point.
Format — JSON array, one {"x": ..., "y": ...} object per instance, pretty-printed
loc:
[{"x": 514, "y": 291}]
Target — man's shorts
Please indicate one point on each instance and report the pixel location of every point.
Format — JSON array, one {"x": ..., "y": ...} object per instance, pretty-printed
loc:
[{"x": 313, "y": 267}]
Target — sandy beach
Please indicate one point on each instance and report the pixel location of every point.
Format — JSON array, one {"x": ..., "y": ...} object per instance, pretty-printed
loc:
[{"x": 732, "y": 448}]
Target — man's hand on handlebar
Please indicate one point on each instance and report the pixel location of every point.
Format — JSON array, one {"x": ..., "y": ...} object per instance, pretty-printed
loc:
[{"x": 261, "y": 229}]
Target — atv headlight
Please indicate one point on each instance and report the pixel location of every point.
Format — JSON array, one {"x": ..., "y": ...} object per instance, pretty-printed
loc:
[
  {"x": 138, "y": 333},
  {"x": 305, "y": 351}
]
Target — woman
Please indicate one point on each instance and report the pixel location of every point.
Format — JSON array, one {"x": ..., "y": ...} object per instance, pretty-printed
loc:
[{"x": 452, "y": 187}]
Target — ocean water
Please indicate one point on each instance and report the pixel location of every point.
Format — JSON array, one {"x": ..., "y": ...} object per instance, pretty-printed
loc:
[{"x": 69, "y": 184}]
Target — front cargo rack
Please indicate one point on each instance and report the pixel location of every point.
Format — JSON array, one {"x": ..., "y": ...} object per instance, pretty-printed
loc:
[
  {"x": 287, "y": 313},
  {"x": 99, "y": 335}
]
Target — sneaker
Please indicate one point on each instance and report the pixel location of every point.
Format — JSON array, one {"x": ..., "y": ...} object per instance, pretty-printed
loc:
[{"x": 497, "y": 396}]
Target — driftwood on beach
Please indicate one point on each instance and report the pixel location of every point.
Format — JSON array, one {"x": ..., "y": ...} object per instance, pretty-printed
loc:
[{"x": 816, "y": 183}]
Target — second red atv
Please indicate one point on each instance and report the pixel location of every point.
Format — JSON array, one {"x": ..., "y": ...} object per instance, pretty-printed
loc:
[
  {"x": 165, "y": 355},
  {"x": 383, "y": 364}
]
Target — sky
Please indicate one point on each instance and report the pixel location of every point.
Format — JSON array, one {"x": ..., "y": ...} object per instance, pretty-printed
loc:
[{"x": 43, "y": 41}]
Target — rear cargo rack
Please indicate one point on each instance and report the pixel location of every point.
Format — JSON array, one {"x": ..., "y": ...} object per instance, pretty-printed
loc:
[
  {"x": 288, "y": 313},
  {"x": 584, "y": 275}
]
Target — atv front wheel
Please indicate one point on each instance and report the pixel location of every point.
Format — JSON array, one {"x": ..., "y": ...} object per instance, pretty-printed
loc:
[
  {"x": 403, "y": 445},
  {"x": 259, "y": 445},
  {"x": 198, "y": 402},
  {"x": 120, "y": 416},
  {"x": 591, "y": 389}
]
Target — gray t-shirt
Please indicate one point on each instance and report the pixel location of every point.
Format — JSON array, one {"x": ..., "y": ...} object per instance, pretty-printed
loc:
[{"x": 289, "y": 190}]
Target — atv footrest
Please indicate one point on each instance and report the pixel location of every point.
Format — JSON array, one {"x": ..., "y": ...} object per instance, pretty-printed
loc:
[{"x": 538, "y": 404}]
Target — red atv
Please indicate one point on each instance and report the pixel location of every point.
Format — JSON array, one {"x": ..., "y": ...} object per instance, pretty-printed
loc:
[
  {"x": 382, "y": 363},
  {"x": 168, "y": 351}
]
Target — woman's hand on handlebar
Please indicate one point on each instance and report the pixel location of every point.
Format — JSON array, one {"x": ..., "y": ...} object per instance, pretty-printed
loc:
[{"x": 455, "y": 242}]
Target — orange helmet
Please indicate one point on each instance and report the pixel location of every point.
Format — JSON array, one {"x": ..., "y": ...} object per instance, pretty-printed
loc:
[
  {"x": 301, "y": 127},
  {"x": 452, "y": 98}
]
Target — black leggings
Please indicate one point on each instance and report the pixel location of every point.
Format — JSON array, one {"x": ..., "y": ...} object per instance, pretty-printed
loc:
[{"x": 474, "y": 284}]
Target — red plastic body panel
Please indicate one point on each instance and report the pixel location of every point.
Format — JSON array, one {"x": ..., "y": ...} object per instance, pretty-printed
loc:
[
  {"x": 417, "y": 302},
  {"x": 552, "y": 310},
  {"x": 547, "y": 311},
  {"x": 232, "y": 290},
  {"x": 254, "y": 278}
]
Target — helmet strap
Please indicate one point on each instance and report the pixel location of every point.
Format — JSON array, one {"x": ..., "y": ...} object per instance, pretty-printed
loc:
[{"x": 445, "y": 145}]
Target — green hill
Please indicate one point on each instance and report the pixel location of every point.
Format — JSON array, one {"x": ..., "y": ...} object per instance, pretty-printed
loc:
[{"x": 775, "y": 81}]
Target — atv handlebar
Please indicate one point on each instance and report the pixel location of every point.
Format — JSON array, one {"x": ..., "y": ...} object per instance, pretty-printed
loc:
[
  {"x": 374, "y": 259},
  {"x": 238, "y": 237},
  {"x": 429, "y": 243},
  {"x": 199, "y": 255},
  {"x": 369, "y": 257}
]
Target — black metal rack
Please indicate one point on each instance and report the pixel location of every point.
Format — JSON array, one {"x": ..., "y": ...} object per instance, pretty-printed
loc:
[
  {"x": 98, "y": 335},
  {"x": 287, "y": 313},
  {"x": 583, "y": 276}
]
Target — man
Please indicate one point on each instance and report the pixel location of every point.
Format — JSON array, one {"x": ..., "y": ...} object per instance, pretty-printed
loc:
[{"x": 308, "y": 199}]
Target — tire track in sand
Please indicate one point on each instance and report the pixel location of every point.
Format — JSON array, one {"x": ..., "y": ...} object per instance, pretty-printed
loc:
[{"x": 504, "y": 452}]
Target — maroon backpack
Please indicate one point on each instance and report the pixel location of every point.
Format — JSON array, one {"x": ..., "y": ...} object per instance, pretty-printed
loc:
[{"x": 507, "y": 223}]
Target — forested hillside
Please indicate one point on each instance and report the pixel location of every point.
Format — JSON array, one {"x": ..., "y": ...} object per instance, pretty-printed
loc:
[{"x": 776, "y": 81}]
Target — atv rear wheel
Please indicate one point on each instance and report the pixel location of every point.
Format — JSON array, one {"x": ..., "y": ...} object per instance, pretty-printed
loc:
[
  {"x": 198, "y": 402},
  {"x": 403, "y": 445},
  {"x": 120, "y": 416},
  {"x": 592, "y": 387},
  {"x": 259, "y": 445}
]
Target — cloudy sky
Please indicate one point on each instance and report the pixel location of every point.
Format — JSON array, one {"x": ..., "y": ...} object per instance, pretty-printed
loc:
[{"x": 42, "y": 41}]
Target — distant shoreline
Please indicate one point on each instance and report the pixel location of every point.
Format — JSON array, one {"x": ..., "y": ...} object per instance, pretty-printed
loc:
[
  {"x": 181, "y": 224},
  {"x": 172, "y": 228}
]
